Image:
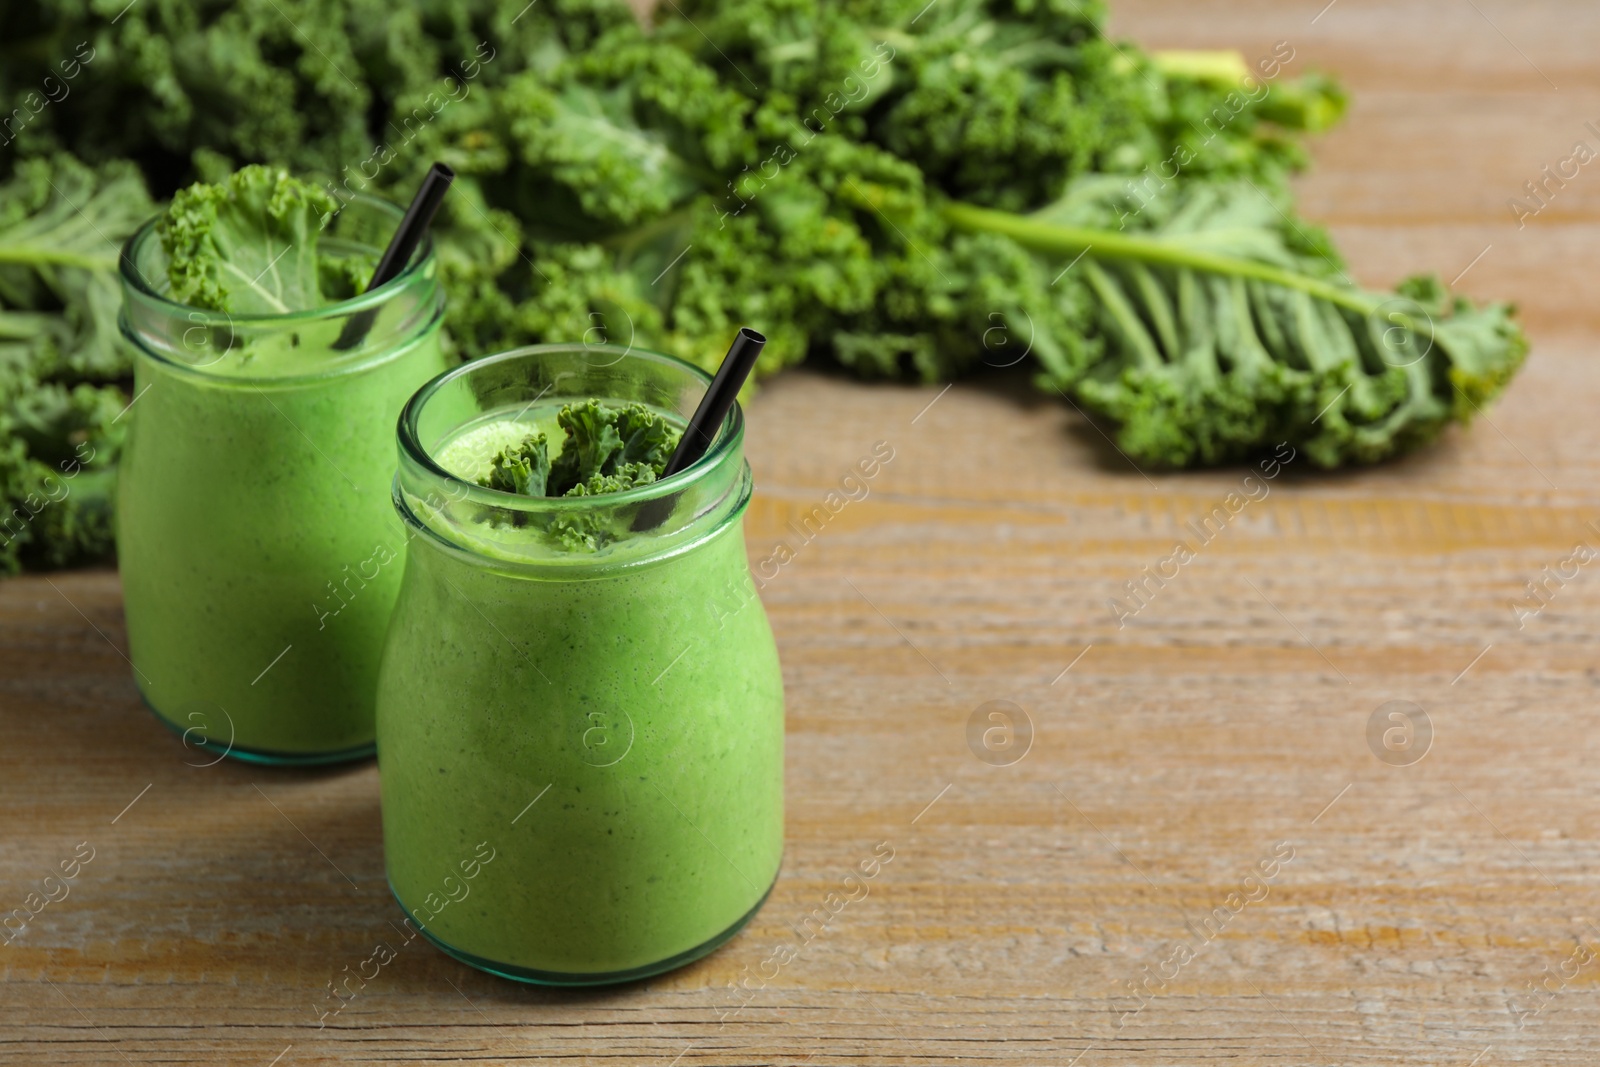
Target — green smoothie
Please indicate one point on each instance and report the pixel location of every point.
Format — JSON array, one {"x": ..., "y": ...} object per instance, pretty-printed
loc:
[
  {"x": 606, "y": 724},
  {"x": 259, "y": 550}
]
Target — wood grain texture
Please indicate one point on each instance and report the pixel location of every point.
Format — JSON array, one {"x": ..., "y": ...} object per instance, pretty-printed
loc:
[{"x": 1423, "y": 903}]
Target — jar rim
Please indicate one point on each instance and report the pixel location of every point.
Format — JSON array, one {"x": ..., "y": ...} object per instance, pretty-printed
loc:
[
  {"x": 372, "y": 298},
  {"x": 727, "y": 441}
]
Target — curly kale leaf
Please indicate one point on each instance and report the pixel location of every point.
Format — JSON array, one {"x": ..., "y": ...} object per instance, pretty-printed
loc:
[
  {"x": 1228, "y": 327},
  {"x": 867, "y": 116},
  {"x": 61, "y": 224},
  {"x": 57, "y": 447},
  {"x": 61, "y": 229},
  {"x": 312, "y": 85},
  {"x": 813, "y": 55},
  {"x": 604, "y": 449},
  {"x": 591, "y": 444},
  {"x": 623, "y": 476},
  {"x": 1002, "y": 110},
  {"x": 247, "y": 246},
  {"x": 647, "y": 439},
  {"x": 524, "y": 468},
  {"x": 609, "y": 449},
  {"x": 834, "y": 246},
  {"x": 1001, "y": 103},
  {"x": 622, "y": 133}
]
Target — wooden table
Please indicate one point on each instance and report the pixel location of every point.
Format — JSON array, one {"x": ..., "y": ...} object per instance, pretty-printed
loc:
[{"x": 1440, "y": 911}]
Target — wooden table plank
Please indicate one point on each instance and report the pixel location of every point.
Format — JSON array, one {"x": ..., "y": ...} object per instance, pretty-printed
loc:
[{"x": 1025, "y": 902}]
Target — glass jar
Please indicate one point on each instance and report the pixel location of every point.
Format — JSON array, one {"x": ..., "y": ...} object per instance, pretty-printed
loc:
[
  {"x": 258, "y": 547},
  {"x": 580, "y": 711}
]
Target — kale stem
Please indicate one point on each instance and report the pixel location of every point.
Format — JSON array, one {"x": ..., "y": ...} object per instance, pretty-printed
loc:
[
  {"x": 1219, "y": 67},
  {"x": 1109, "y": 244}
]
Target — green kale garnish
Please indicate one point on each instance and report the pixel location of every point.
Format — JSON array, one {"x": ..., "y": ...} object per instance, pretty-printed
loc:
[
  {"x": 625, "y": 476},
  {"x": 523, "y": 469},
  {"x": 592, "y": 443},
  {"x": 648, "y": 440},
  {"x": 248, "y": 245},
  {"x": 605, "y": 450}
]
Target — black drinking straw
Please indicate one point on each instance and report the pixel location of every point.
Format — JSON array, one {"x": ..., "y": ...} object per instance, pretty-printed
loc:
[
  {"x": 707, "y": 420},
  {"x": 418, "y": 217}
]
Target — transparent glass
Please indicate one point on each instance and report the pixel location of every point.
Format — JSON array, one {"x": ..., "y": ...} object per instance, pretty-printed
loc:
[
  {"x": 580, "y": 749},
  {"x": 257, "y": 543}
]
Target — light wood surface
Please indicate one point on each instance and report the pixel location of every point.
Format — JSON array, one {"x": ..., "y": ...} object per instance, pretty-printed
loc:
[{"x": 1423, "y": 904}]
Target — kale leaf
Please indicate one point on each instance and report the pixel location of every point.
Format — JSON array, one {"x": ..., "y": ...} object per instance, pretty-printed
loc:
[
  {"x": 604, "y": 449},
  {"x": 1226, "y": 327},
  {"x": 61, "y": 364},
  {"x": 248, "y": 245},
  {"x": 523, "y": 469}
]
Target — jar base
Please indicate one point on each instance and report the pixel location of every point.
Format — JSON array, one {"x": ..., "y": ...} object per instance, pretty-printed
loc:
[
  {"x": 260, "y": 756},
  {"x": 531, "y": 976}
]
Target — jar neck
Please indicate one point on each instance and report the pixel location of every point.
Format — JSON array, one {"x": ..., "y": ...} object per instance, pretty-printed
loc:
[
  {"x": 340, "y": 338},
  {"x": 563, "y": 537}
]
